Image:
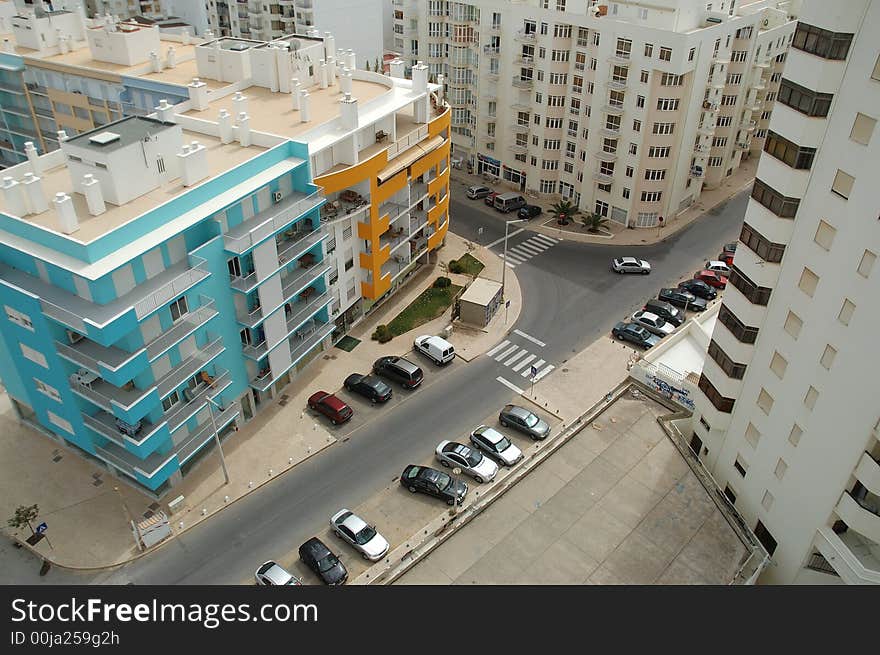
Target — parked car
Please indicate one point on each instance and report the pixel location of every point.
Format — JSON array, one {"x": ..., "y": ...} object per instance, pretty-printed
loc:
[
  {"x": 477, "y": 192},
  {"x": 471, "y": 462},
  {"x": 435, "y": 348},
  {"x": 320, "y": 559},
  {"x": 496, "y": 445},
  {"x": 699, "y": 288},
  {"x": 401, "y": 370},
  {"x": 368, "y": 386},
  {"x": 529, "y": 211},
  {"x": 350, "y": 527},
  {"x": 711, "y": 278},
  {"x": 509, "y": 202},
  {"x": 653, "y": 323},
  {"x": 665, "y": 311},
  {"x": 683, "y": 298},
  {"x": 435, "y": 483},
  {"x": 490, "y": 199},
  {"x": 730, "y": 247},
  {"x": 630, "y": 265},
  {"x": 331, "y": 407},
  {"x": 718, "y": 266},
  {"x": 273, "y": 574},
  {"x": 726, "y": 257},
  {"x": 525, "y": 421},
  {"x": 635, "y": 334}
]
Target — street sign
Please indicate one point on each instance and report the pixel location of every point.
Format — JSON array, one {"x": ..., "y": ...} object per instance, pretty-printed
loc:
[
  {"x": 534, "y": 371},
  {"x": 41, "y": 528}
]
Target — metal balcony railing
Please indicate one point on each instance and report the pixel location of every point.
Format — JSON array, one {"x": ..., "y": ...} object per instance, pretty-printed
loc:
[
  {"x": 260, "y": 226},
  {"x": 173, "y": 288},
  {"x": 189, "y": 367},
  {"x": 195, "y": 399}
]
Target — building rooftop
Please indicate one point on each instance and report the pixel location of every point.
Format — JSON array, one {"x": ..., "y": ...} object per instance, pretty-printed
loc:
[{"x": 118, "y": 134}]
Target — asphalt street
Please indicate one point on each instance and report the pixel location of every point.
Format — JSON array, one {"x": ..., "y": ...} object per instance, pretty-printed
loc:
[{"x": 570, "y": 298}]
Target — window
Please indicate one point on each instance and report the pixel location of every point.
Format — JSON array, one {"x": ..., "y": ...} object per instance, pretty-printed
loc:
[
  {"x": 719, "y": 141},
  {"x": 649, "y": 50},
  {"x": 651, "y": 196},
  {"x": 550, "y": 164},
  {"x": 828, "y": 355},
  {"x": 752, "y": 435},
  {"x": 755, "y": 294},
  {"x": 15, "y": 316},
  {"x": 866, "y": 263},
  {"x": 582, "y": 37},
  {"x": 629, "y": 171},
  {"x": 740, "y": 465},
  {"x": 760, "y": 245},
  {"x": 742, "y": 332},
  {"x": 728, "y": 100},
  {"x": 862, "y": 129},
  {"x": 766, "y": 539},
  {"x": 178, "y": 308},
  {"x": 846, "y": 312},
  {"x": 793, "y": 324},
  {"x": 778, "y": 365},
  {"x": 655, "y": 174},
  {"x": 804, "y": 100},
  {"x": 346, "y": 233},
  {"x": 643, "y": 77},
  {"x": 794, "y": 437},
  {"x": 170, "y": 400},
  {"x": 609, "y": 145},
  {"x": 45, "y": 389},
  {"x": 547, "y": 186},
  {"x": 788, "y": 152},
  {"x": 691, "y": 53},
  {"x": 637, "y": 126},
  {"x": 731, "y": 368},
  {"x": 625, "y": 192},
  {"x": 843, "y": 183},
  {"x": 811, "y": 397},
  {"x": 658, "y": 151},
  {"x": 595, "y": 38},
  {"x": 665, "y": 54},
  {"x": 765, "y": 401},
  {"x": 734, "y": 78},
  {"x": 822, "y": 43},
  {"x": 34, "y": 355},
  {"x": 715, "y": 162},
  {"x": 808, "y": 282},
  {"x": 606, "y": 167},
  {"x": 720, "y": 403},
  {"x": 633, "y": 149},
  {"x": 663, "y": 128},
  {"x": 601, "y": 208},
  {"x": 730, "y": 494},
  {"x": 670, "y": 79},
  {"x": 60, "y": 422},
  {"x": 782, "y": 206},
  {"x": 667, "y": 104},
  {"x": 824, "y": 235},
  {"x": 724, "y": 121},
  {"x": 767, "y": 500},
  {"x": 552, "y": 144},
  {"x": 624, "y": 47}
]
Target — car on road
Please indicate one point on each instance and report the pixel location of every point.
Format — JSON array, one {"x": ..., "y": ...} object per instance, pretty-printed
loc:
[
  {"x": 330, "y": 406},
  {"x": 682, "y": 298},
  {"x": 718, "y": 266},
  {"x": 496, "y": 445},
  {"x": 435, "y": 483},
  {"x": 490, "y": 199},
  {"x": 711, "y": 278},
  {"x": 368, "y": 386},
  {"x": 653, "y": 323},
  {"x": 665, "y": 311},
  {"x": 726, "y": 257},
  {"x": 525, "y": 421},
  {"x": 320, "y": 559},
  {"x": 630, "y": 265},
  {"x": 471, "y": 462},
  {"x": 529, "y": 211},
  {"x": 635, "y": 334},
  {"x": 477, "y": 192},
  {"x": 435, "y": 348},
  {"x": 699, "y": 288},
  {"x": 273, "y": 574},
  {"x": 350, "y": 527},
  {"x": 730, "y": 247},
  {"x": 401, "y": 370}
]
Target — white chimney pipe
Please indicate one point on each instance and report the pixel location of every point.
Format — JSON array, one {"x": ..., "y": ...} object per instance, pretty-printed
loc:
[
  {"x": 398, "y": 68},
  {"x": 295, "y": 89},
  {"x": 198, "y": 93},
  {"x": 329, "y": 45},
  {"x": 66, "y": 213},
  {"x": 331, "y": 71},
  {"x": 441, "y": 79},
  {"x": 225, "y": 122},
  {"x": 165, "y": 111},
  {"x": 351, "y": 59},
  {"x": 244, "y": 129},
  {"x": 62, "y": 136},
  {"x": 322, "y": 73},
  {"x": 239, "y": 103},
  {"x": 33, "y": 157},
  {"x": 36, "y": 197},
  {"x": 345, "y": 80},
  {"x": 348, "y": 112},
  {"x": 305, "y": 109},
  {"x": 193, "y": 163},
  {"x": 94, "y": 195},
  {"x": 419, "y": 78},
  {"x": 171, "y": 61},
  {"x": 13, "y": 194},
  {"x": 155, "y": 63}
]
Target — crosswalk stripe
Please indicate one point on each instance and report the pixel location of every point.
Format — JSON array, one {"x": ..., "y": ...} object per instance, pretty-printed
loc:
[
  {"x": 507, "y": 352},
  {"x": 509, "y": 236},
  {"x": 549, "y": 240},
  {"x": 510, "y": 265},
  {"x": 497, "y": 348},
  {"x": 530, "y": 338},
  {"x": 544, "y": 372},
  {"x": 516, "y": 356},
  {"x": 509, "y": 385},
  {"x": 537, "y": 365},
  {"x": 516, "y": 258},
  {"x": 523, "y": 362},
  {"x": 522, "y": 254},
  {"x": 537, "y": 243},
  {"x": 534, "y": 250}
]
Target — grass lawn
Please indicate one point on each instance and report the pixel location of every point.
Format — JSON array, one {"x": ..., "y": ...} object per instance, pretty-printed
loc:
[
  {"x": 470, "y": 264},
  {"x": 429, "y": 305}
]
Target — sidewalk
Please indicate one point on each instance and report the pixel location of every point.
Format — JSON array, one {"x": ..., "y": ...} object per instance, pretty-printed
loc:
[
  {"x": 88, "y": 525},
  {"x": 741, "y": 179}
]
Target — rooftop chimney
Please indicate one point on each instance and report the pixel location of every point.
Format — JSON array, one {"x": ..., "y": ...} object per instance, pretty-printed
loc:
[
  {"x": 345, "y": 80},
  {"x": 295, "y": 89},
  {"x": 244, "y": 129},
  {"x": 329, "y": 45},
  {"x": 36, "y": 197},
  {"x": 193, "y": 163},
  {"x": 33, "y": 157},
  {"x": 420, "y": 78},
  {"x": 171, "y": 61},
  {"x": 322, "y": 73},
  {"x": 94, "y": 195},
  {"x": 351, "y": 59},
  {"x": 66, "y": 213},
  {"x": 348, "y": 109},
  {"x": 165, "y": 111},
  {"x": 198, "y": 93},
  {"x": 398, "y": 68},
  {"x": 13, "y": 194},
  {"x": 62, "y": 136},
  {"x": 331, "y": 70},
  {"x": 441, "y": 78},
  {"x": 225, "y": 122},
  {"x": 155, "y": 62},
  {"x": 305, "y": 109},
  {"x": 239, "y": 103}
]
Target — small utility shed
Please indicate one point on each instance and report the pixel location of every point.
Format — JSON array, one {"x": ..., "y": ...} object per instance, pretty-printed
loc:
[{"x": 479, "y": 302}]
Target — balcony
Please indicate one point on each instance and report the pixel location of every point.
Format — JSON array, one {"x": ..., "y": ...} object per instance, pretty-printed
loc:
[
  {"x": 105, "y": 425},
  {"x": 620, "y": 58},
  {"x": 185, "y": 326},
  {"x": 127, "y": 400},
  {"x": 291, "y": 284},
  {"x": 300, "y": 345},
  {"x": 862, "y": 513},
  {"x": 701, "y": 149},
  {"x": 525, "y": 60},
  {"x": 195, "y": 399},
  {"x": 603, "y": 178},
  {"x": 295, "y": 244},
  {"x": 189, "y": 367},
  {"x": 603, "y": 155},
  {"x": 706, "y": 129},
  {"x": 527, "y": 37},
  {"x": 868, "y": 473},
  {"x": 616, "y": 83},
  {"x": 748, "y": 125},
  {"x": 613, "y": 108},
  {"x": 521, "y": 82},
  {"x": 298, "y": 314},
  {"x": 518, "y": 148},
  {"x": 855, "y": 557},
  {"x": 520, "y": 127},
  {"x": 94, "y": 357},
  {"x": 610, "y": 131},
  {"x": 742, "y": 145},
  {"x": 261, "y": 226},
  {"x": 491, "y": 49},
  {"x": 204, "y": 433},
  {"x": 696, "y": 171}
]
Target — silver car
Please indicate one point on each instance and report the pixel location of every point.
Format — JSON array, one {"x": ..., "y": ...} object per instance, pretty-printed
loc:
[
  {"x": 349, "y": 527},
  {"x": 630, "y": 265},
  {"x": 496, "y": 445},
  {"x": 525, "y": 421},
  {"x": 273, "y": 574},
  {"x": 471, "y": 462}
]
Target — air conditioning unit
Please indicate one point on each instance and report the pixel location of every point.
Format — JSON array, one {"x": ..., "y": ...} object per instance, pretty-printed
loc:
[
  {"x": 276, "y": 196},
  {"x": 74, "y": 337}
]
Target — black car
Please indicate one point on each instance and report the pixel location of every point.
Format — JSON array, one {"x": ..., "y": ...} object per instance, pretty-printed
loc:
[
  {"x": 682, "y": 298},
  {"x": 665, "y": 311},
  {"x": 635, "y": 334},
  {"x": 529, "y": 211},
  {"x": 369, "y": 386},
  {"x": 699, "y": 288},
  {"x": 323, "y": 562},
  {"x": 401, "y": 370},
  {"x": 435, "y": 483}
]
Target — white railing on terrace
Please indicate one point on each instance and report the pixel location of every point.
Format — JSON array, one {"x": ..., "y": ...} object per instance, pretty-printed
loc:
[
  {"x": 406, "y": 142},
  {"x": 272, "y": 220},
  {"x": 174, "y": 288}
]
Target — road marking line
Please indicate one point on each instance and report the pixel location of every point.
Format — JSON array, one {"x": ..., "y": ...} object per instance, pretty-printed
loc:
[
  {"x": 524, "y": 255},
  {"x": 507, "y": 352},
  {"x": 544, "y": 372},
  {"x": 501, "y": 239},
  {"x": 497, "y": 348},
  {"x": 537, "y": 247},
  {"x": 521, "y": 353},
  {"x": 536, "y": 366},
  {"x": 509, "y": 385},
  {"x": 516, "y": 258},
  {"x": 530, "y": 338},
  {"x": 542, "y": 239},
  {"x": 531, "y": 252},
  {"x": 523, "y": 363},
  {"x": 511, "y": 265}
]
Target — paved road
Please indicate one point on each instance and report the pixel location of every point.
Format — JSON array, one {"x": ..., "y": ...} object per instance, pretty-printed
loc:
[{"x": 570, "y": 298}]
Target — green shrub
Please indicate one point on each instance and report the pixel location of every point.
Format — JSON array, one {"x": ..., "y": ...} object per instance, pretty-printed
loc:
[
  {"x": 382, "y": 334},
  {"x": 442, "y": 282},
  {"x": 455, "y": 266}
]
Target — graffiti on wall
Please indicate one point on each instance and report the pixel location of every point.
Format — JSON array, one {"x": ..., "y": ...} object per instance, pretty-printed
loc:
[{"x": 676, "y": 395}]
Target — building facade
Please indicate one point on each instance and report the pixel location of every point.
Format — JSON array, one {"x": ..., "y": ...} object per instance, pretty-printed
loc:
[
  {"x": 786, "y": 415},
  {"x": 625, "y": 109}
]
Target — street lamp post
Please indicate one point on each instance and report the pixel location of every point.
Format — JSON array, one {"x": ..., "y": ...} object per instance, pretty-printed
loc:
[
  {"x": 211, "y": 404},
  {"x": 507, "y": 225}
]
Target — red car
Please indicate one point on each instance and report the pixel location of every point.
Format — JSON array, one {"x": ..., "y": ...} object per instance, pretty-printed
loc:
[
  {"x": 330, "y": 406},
  {"x": 726, "y": 257},
  {"x": 711, "y": 278},
  {"x": 490, "y": 199}
]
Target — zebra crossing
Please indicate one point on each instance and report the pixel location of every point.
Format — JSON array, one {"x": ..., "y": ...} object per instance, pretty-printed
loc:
[
  {"x": 525, "y": 250},
  {"x": 520, "y": 360}
]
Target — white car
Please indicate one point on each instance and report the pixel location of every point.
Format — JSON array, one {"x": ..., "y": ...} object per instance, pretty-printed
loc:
[
  {"x": 496, "y": 445},
  {"x": 349, "y": 527},
  {"x": 471, "y": 462},
  {"x": 439, "y": 350},
  {"x": 653, "y": 323},
  {"x": 630, "y": 265},
  {"x": 718, "y": 267},
  {"x": 273, "y": 574}
]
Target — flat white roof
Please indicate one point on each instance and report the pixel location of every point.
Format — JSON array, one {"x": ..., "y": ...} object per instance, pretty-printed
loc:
[{"x": 481, "y": 291}]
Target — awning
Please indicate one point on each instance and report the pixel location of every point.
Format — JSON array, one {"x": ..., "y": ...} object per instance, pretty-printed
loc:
[{"x": 409, "y": 157}]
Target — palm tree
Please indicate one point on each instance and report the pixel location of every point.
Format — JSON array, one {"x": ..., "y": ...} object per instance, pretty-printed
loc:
[
  {"x": 594, "y": 222},
  {"x": 564, "y": 211}
]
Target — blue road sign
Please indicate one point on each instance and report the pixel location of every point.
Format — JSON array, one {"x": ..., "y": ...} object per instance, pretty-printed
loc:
[{"x": 42, "y": 528}]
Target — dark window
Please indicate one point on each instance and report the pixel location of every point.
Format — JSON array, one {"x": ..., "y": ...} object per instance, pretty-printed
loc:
[
  {"x": 756, "y": 295},
  {"x": 742, "y": 332},
  {"x": 781, "y": 205},
  {"x": 766, "y": 539},
  {"x": 788, "y": 152},
  {"x": 760, "y": 245},
  {"x": 804, "y": 100},
  {"x": 731, "y": 368},
  {"x": 731, "y": 496},
  {"x": 721, "y": 403},
  {"x": 822, "y": 43},
  {"x": 739, "y": 468}
]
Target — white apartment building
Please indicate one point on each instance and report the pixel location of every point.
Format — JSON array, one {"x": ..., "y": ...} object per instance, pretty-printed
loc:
[
  {"x": 628, "y": 109},
  {"x": 192, "y": 12},
  {"x": 357, "y": 23},
  {"x": 787, "y": 413}
]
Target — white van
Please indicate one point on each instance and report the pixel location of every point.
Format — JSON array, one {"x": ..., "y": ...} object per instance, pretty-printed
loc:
[
  {"x": 509, "y": 202},
  {"x": 440, "y": 350}
]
